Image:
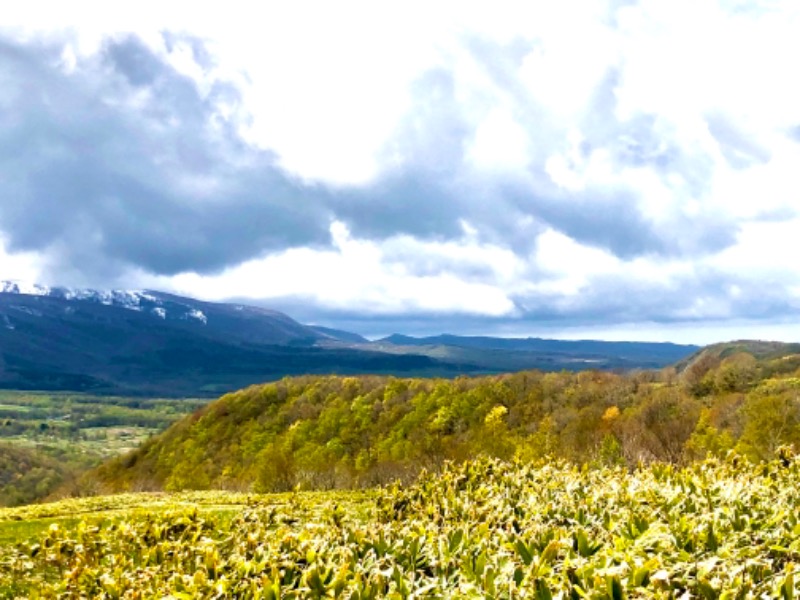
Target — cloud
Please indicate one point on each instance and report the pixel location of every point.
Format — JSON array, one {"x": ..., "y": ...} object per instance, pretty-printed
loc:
[
  {"x": 625, "y": 162},
  {"x": 22, "y": 266},
  {"x": 136, "y": 165},
  {"x": 399, "y": 276},
  {"x": 122, "y": 161}
]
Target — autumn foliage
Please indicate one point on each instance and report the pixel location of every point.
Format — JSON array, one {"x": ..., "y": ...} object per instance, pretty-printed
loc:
[{"x": 324, "y": 432}]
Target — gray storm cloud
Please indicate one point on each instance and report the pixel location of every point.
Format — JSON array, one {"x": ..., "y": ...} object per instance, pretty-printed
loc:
[{"x": 123, "y": 163}]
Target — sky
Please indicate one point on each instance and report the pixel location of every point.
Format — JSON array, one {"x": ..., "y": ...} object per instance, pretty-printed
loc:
[{"x": 605, "y": 169}]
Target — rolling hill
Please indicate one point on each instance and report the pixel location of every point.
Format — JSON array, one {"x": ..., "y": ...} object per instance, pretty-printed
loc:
[{"x": 333, "y": 431}]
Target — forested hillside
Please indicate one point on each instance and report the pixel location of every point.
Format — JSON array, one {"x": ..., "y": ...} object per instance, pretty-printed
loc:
[
  {"x": 26, "y": 474},
  {"x": 48, "y": 439},
  {"x": 326, "y": 432}
]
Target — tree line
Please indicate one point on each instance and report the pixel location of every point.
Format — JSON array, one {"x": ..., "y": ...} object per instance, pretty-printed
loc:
[{"x": 324, "y": 432}]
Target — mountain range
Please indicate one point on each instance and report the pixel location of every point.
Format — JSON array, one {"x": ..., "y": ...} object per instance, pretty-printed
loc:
[{"x": 155, "y": 343}]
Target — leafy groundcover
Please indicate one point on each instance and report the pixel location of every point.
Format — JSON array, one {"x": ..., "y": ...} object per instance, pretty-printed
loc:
[{"x": 482, "y": 529}]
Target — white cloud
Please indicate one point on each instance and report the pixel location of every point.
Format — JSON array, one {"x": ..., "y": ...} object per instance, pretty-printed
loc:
[
  {"x": 567, "y": 265},
  {"x": 362, "y": 275},
  {"x": 500, "y": 143},
  {"x": 675, "y": 115},
  {"x": 765, "y": 252},
  {"x": 19, "y": 266},
  {"x": 766, "y": 189},
  {"x": 568, "y": 61}
]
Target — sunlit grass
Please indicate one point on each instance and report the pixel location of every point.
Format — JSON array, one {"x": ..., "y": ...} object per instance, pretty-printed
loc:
[{"x": 485, "y": 529}]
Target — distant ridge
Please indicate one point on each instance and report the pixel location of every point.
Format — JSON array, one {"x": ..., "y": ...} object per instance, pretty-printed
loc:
[
  {"x": 759, "y": 349},
  {"x": 338, "y": 334},
  {"x": 156, "y": 343},
  {"x": 657, "y": 352}
]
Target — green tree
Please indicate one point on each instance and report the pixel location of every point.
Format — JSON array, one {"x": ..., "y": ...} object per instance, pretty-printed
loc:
[
  {"x": 771, "y": 421},
  {"x": 706, "y": 440}
]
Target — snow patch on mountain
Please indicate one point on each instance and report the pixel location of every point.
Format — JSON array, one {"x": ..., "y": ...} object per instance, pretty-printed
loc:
[
  {"x": 197, "y": 314},
  {"x": 126, "y": 299},
  {"x": 19, "y": 287},
  {"x": 137, "y": 300},
  {"x": 27, "y": 310}
]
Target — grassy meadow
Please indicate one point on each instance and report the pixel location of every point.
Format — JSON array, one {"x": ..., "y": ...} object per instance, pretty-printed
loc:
[{"x": 483, "y": 529}]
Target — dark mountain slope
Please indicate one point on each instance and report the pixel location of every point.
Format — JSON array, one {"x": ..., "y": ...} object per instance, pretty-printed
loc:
[
  {"x": 162, "y": 344},
  {"x": 148, "y": 342},
  {"x": 339, "y": 335},
  {"x": 544, "y": 353}
]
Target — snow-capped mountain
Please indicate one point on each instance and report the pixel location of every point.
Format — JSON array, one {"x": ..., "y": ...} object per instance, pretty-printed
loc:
[
  {"x": 149, "y": 342},
  {"x": 244, "y": 323},
  {"x": 236, "y": 321},
  {"x": 144, "y": 341},
  {"x": 138, "y": 300},
  {"x": 16, "y": 287}
]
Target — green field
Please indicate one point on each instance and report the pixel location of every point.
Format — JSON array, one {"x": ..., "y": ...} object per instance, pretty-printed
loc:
[
  {"x": 43, "y": 418},
  {"x": 485, "y": 529},
  {"x": 48, "y": 439}
]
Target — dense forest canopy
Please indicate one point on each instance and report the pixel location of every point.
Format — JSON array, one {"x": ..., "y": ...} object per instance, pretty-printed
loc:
[
  {"x": 26, "y": 475},
  {"x": 331, "y": 431}
]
